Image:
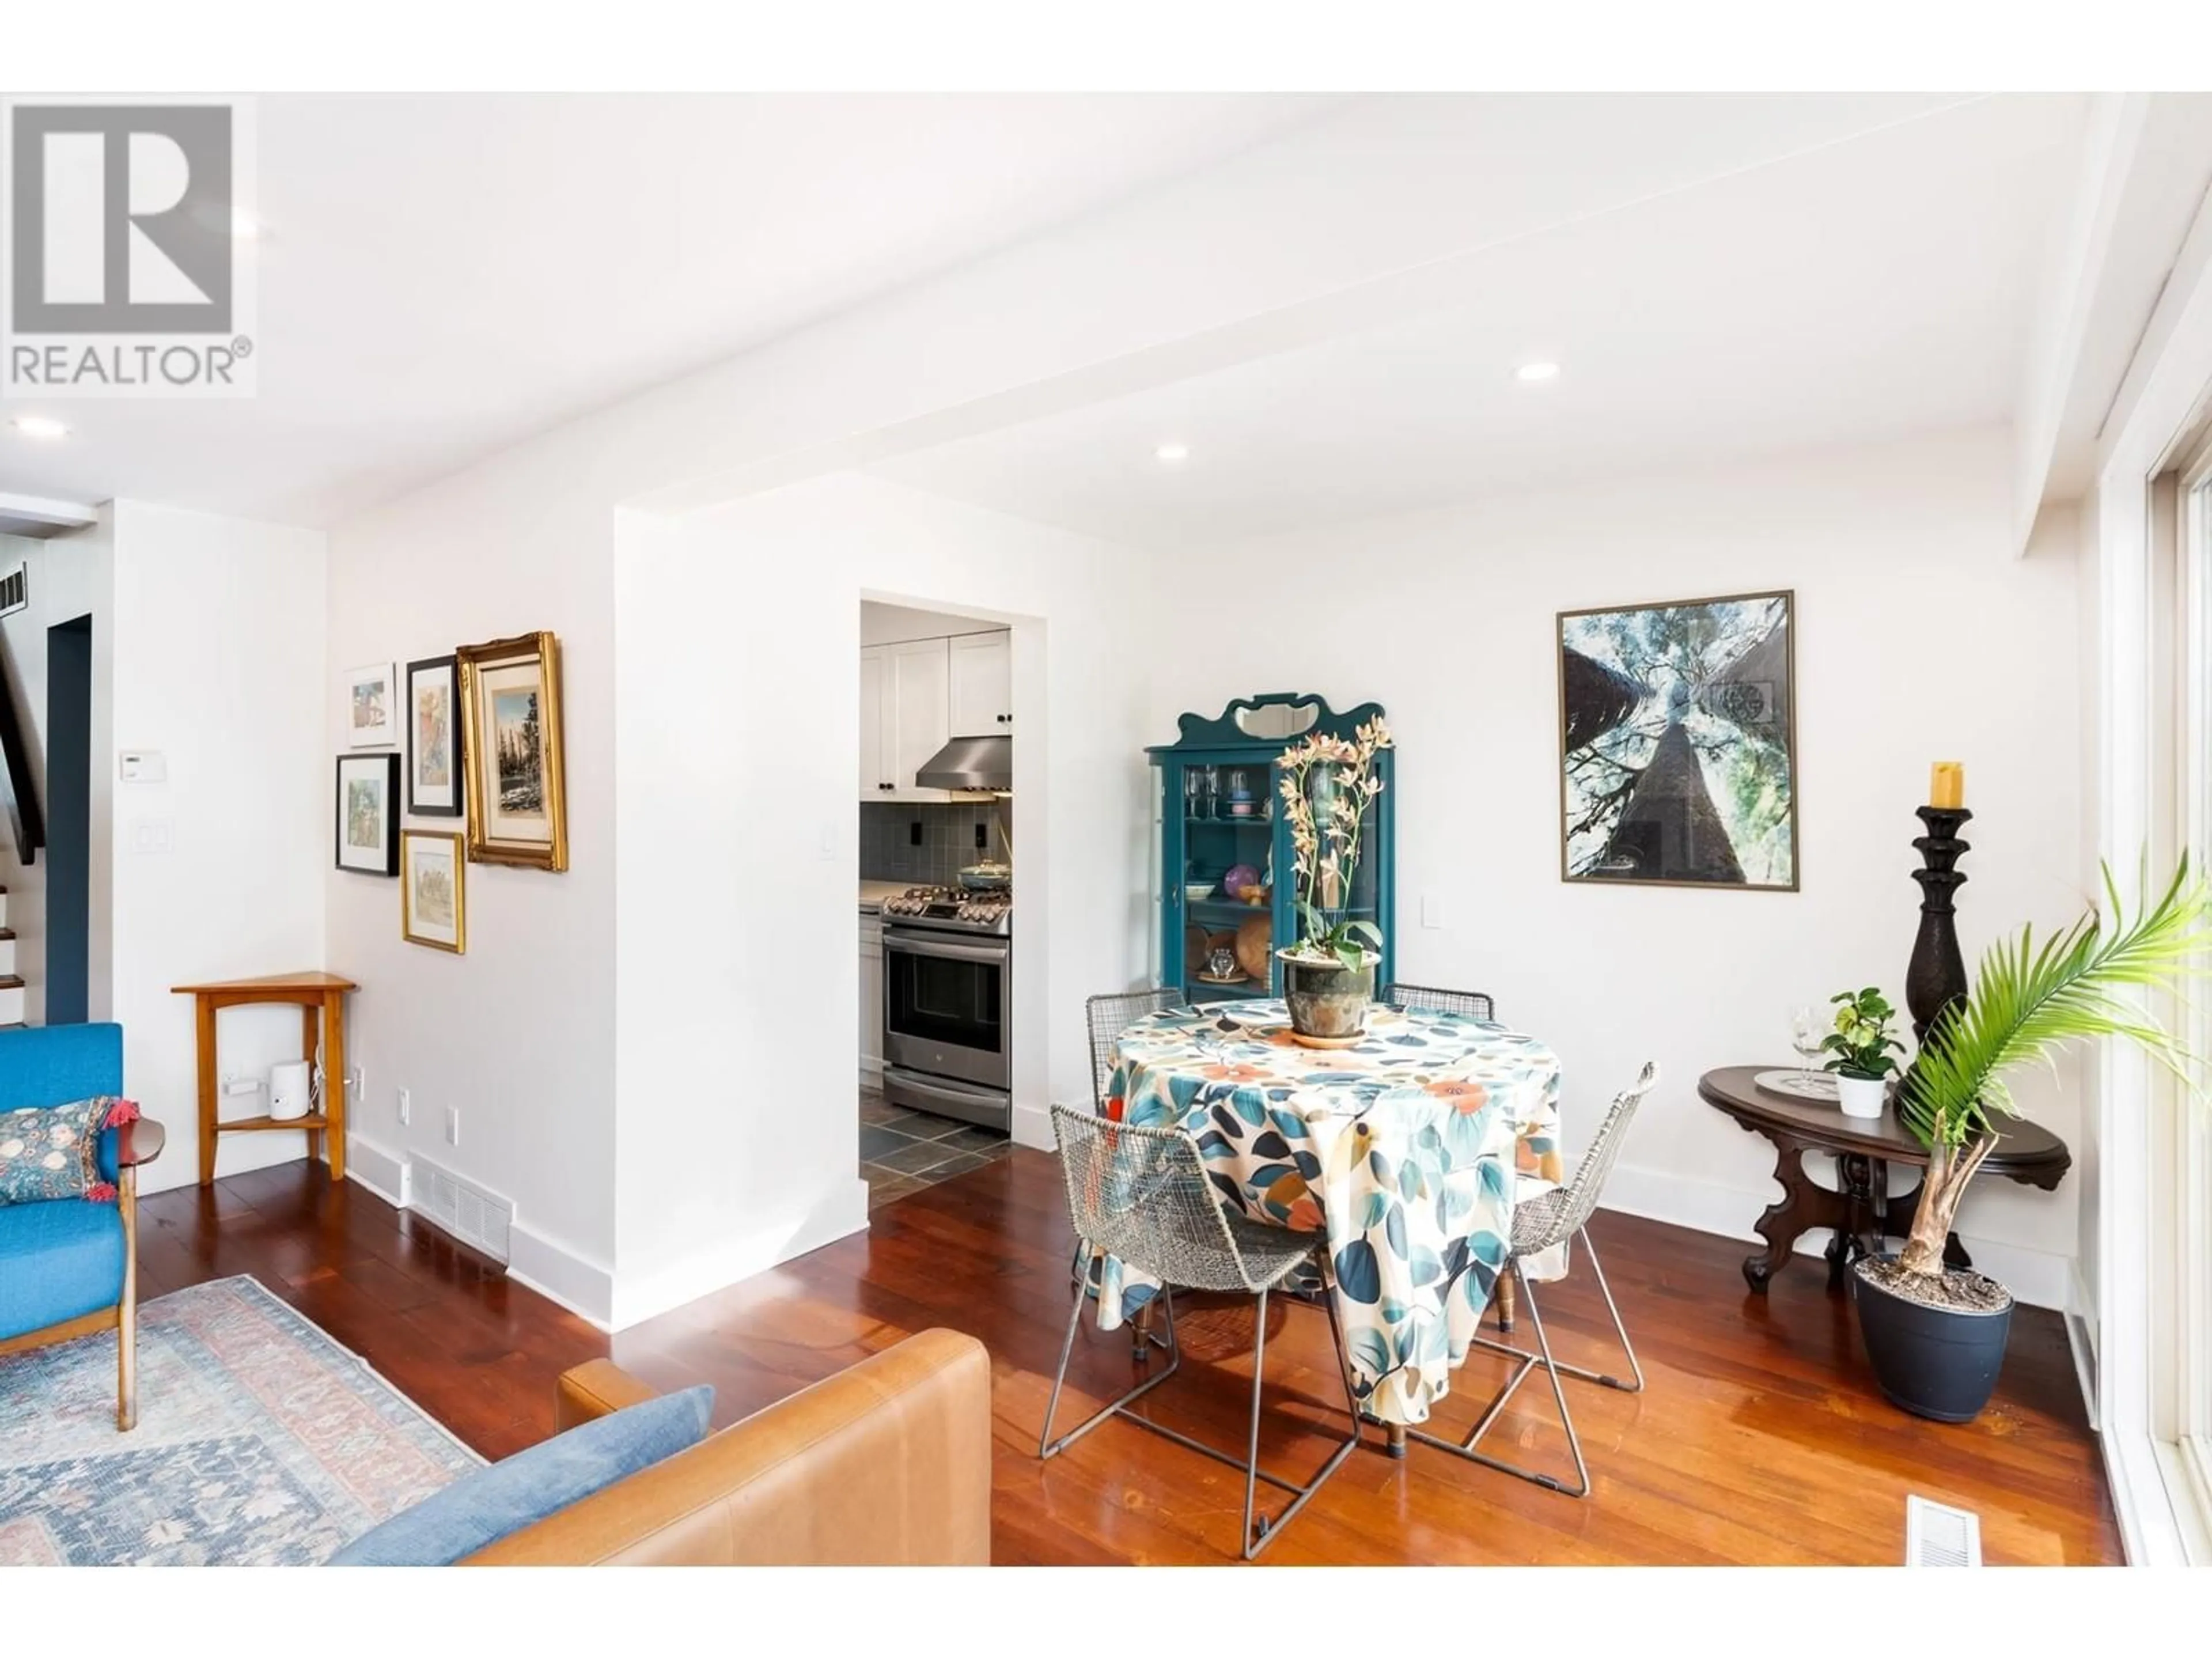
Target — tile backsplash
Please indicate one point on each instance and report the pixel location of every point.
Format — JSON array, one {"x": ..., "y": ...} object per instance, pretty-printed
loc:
[{"x": 888, "y": 851}]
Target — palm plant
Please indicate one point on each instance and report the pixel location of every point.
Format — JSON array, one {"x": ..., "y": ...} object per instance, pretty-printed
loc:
[{"x": 2028, "y": 1002}]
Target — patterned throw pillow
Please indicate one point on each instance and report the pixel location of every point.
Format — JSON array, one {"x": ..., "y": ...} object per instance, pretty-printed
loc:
[{"x": 53, "y": 1151}]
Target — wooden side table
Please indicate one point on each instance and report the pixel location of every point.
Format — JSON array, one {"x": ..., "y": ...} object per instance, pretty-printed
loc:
[
  {"x": 316, "y": 993},
  {"x": 1861, "y": 1211}
]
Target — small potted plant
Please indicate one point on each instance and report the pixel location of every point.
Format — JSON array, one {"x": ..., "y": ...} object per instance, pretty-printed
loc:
[
  {"x": 1328, "y": 977},
  {"x": 1864, "y": 1049},
  {"x": 1934, "y": 1334}
]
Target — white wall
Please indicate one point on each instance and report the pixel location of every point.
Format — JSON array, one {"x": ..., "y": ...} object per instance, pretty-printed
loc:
[
  {"x": 736, "y": 982},
  {"x": 1919, "y": 637},
  {"x": 519, "y": 1033},
  {"x": 215, "y": 646}
]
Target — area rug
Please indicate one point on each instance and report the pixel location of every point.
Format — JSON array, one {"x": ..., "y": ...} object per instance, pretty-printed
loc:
[{"x": 260, "y": 1442}]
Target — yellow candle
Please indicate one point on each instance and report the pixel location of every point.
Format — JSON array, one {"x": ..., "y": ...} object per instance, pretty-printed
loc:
[{"x": 1946, "y": 785}]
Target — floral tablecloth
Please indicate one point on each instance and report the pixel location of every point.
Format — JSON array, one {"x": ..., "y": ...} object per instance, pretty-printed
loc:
[{"x": 1404, "y": 1151}]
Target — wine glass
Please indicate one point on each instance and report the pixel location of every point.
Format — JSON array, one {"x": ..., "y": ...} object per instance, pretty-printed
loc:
[{"x": 1807, "y": 1031}]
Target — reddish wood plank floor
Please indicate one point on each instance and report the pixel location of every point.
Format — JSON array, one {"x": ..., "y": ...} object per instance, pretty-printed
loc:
[{"x": 1760, "y": 1438}]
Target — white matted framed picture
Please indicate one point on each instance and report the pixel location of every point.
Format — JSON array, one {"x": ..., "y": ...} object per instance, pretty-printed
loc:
[
  {"x": 372, "y": 720},
  {"x": 369, "y": 814},
  {"x": 433, "y": 890},
  {"x": 433, "y": 737},
  {"x": 511, "y": 747}
]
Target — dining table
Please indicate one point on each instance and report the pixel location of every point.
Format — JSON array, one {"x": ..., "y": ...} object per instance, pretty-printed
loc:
[{"x": 1405, "y": 1151}]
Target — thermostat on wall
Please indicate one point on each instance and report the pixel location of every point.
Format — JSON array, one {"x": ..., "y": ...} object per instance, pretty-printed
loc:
[{"x": 144, "y": 766}]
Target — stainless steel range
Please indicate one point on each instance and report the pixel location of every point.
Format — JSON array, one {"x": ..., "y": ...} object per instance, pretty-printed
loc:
[{"x": 948, "y": 990}]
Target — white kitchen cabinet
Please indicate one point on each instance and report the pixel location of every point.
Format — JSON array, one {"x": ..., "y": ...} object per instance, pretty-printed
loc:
[
  {"x": 983, "y": 679},
  {"x": 906, "y": 717},
  {"x": 871, "y": 997},
  {"x": 919, "y": 696},
  {"x": 875, "y": 770}
]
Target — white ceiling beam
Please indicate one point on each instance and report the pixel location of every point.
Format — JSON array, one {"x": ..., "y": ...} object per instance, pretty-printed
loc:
[
  {"x": 40, "y": 516},
  {"x": 2146, "y": 170}
]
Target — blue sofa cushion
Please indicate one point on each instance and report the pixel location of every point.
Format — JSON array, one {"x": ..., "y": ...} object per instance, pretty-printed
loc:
[
  {"x": 49, "y": 1153},
  {"x": 57, "y": 1262},
  {"x": 483, "y": 1508}
]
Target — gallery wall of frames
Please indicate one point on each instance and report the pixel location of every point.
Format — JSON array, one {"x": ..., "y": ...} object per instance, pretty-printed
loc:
[{"x": 473, "y": 736}]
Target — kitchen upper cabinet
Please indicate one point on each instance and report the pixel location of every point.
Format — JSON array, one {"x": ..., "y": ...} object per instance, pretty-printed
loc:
[
  {"x": 920, "y": 723},
  {"x": 875, "y": 759},
  {"x": 981, "y": 668}
]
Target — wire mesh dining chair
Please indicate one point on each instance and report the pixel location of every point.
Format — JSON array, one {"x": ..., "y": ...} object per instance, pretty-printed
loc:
[
  {"x": 1474, "y": 1004},
  {"x": 1540, "y": 1225},
  {"x": 1107, "y": 1015},
  {"x": 1142, "y": 1194}
]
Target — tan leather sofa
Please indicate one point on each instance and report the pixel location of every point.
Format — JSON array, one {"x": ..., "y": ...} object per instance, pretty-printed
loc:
[{"x": 887, "y": 1463}]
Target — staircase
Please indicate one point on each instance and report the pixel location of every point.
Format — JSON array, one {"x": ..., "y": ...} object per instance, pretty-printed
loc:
[{"x": 11, "y": 982}]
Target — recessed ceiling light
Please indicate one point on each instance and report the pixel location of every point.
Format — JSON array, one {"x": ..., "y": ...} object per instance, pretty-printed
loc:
[
  {"x": 1533, "y": 373},
  {"x": 244, "y": 227},
  {"x": 38, "y": 426},
  {"x": 1173, "y": 452}
]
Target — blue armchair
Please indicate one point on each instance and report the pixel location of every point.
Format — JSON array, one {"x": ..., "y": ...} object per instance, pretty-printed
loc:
[{"x": 70, "y": 1267}]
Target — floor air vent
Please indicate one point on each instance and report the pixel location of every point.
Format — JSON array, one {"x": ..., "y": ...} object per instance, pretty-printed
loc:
[
  {"x": 478, "y": 1219},
  {"x": 1937, "y": 1535}
]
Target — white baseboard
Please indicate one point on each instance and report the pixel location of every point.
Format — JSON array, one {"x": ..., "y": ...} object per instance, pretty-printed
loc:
[
  {"x": 2041, "y": 1278},
  {"x": 583, "y": 1286},
  {"x": 1032, "y": 1126},
  {"x": 640, "y": 1297},
  {"x": 377, "y": 1168},
  {"x": 555, "y": 1270}
]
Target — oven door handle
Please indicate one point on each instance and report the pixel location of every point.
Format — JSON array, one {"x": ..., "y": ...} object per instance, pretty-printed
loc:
[
  {"x": 993, "y": 955},
  {"x": 950, "y": 1094}
]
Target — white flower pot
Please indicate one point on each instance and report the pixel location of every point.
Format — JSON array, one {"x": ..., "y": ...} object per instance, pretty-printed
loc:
[{"x": 1861, "y": 1097}]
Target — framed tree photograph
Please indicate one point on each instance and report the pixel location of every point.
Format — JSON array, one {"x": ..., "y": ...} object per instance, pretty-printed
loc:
[
  {"x": 369, "y": 814},
  {"x": 372, "y": 721},
  {"x": 511, "y": 719},
  {"x": 434, "y": 733},
  {"x": 433, "y": 890},
  {"x": 1677, "y": 743}
]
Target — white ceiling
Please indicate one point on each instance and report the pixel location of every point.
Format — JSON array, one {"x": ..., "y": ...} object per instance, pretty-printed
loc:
[
  {"x": 1855, "y": 290},
  {"x": 448, "y": 276}
]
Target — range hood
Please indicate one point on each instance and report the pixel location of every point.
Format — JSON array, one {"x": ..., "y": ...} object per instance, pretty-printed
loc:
[{"x": 974, "y": 763}]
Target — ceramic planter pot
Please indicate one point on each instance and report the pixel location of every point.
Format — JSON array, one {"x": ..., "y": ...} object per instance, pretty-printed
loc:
[
  {"x": 1326, "y": 999},
  {"x": 1861, "y": 1096},
  {"x": 1937, "y": 1363}
]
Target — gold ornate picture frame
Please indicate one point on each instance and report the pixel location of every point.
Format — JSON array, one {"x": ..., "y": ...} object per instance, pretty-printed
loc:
[
  {"x": 517, "y": 790},
  {"x": 433, "y": 895}
]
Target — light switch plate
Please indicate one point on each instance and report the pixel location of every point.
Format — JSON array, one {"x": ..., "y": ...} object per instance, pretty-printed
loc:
[
  {"x": 406, "y": 1107},
  {"x": 1432, "y": 910},
  {"x": 142, "y": 766}
]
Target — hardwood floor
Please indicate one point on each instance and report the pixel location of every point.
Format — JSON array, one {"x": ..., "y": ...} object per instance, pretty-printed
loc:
[{"x": 1760, "y": 1438}]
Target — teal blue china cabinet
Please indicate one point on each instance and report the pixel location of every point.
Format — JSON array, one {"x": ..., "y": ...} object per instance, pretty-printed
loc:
[{"x": 1222, "y": 871}]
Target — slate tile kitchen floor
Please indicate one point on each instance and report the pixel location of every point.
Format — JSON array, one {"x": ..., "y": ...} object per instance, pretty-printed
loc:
[{"x": 903, "y": 1151}]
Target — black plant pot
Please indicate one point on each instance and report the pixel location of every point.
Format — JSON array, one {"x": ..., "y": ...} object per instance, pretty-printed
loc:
[{"x": 1934, "y": 1362}]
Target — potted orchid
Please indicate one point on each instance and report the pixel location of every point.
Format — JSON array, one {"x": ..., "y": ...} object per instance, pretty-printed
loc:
[{"x": 1328, "y": 785}]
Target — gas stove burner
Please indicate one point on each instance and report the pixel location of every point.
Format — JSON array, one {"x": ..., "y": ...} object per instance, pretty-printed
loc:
[{"x": 953, "y": 906}]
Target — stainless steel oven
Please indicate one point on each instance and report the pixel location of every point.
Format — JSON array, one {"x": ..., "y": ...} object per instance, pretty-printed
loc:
[{"x": 947, "y": 1048}]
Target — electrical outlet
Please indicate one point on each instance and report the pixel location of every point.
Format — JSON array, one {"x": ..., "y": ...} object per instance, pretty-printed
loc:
[
  {"x": 983, "y": 837},
  {"x": 406, "y": 1107},
  {"x": 1432, "y": 910},
  {"x": 913, "y": 834},
  {"x": 242, "y": 1085},
  {"x": 453, "y": 1125}
]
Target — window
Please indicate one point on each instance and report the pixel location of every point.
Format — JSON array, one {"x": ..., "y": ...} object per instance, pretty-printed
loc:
[{"x": 2190, "y": 1222}]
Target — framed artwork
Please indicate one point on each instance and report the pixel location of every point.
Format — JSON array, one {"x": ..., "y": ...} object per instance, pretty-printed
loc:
[
  {"x": 1677, "y": 743},
  {"x": 369, "y": 814},
  {"x": 511, "y": 717},
  {"x": 372, "y": 720},
  {"x": 433, "y": 737},
  {"x": 433, "y": 890}
]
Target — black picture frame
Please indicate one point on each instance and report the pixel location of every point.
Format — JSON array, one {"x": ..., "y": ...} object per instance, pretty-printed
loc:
[
  {"x": 388, "y": 763},
  {"x": 449, "y": 667}
]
